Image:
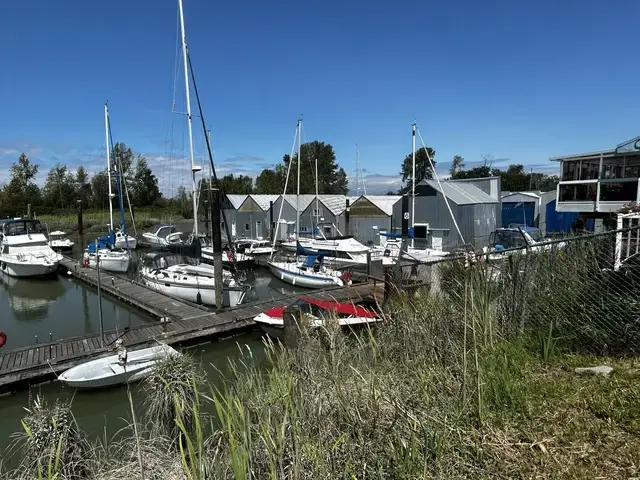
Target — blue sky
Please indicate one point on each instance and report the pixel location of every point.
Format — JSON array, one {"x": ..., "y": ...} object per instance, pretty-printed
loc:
[{"x": 521, "y": 81}]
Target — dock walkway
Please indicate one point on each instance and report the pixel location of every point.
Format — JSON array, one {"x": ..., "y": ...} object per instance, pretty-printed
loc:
[{"x": 181, "y": 323}]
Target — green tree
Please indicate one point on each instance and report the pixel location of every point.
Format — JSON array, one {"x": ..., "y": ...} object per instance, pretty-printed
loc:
[
  {"x": 232, "y": 184},
  {"x": 83, "y": 186},
  {"x": 332, "y": 179},
  {"x": 457, "y": 164},
  {"x": 423, "y": 168},
  {"x": 183, "y": 202},
  {"x": 99, "y": 190},
  {"x": 515, "y": 179},
  {"x": 123, "y": 158},
  {"x": 145, "y": 184},
  {"x": 269, "y": 182},
  {"x": 59, "y": 187},
  {"x": 22, "y": 188},
  {"x": 483, "y": 171}
]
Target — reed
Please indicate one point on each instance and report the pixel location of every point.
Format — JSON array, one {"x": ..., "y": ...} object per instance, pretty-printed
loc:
[{"x": 475, "y": 382}]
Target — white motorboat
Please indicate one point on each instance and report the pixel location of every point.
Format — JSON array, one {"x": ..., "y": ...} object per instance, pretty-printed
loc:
[
  {"x": 107, "y": 372},
  {"x": 182, "y": 277},
  {"x": 59, "y": 242},
  {"x": 316, "y": 312},
  {"x": 390, "y": 251},
  {"x": 310, "y": 273},
  {"x": 254, "y": 247},
  {"x": 111, "y": 260},
  {"x": 242, "y": 260},
  {"x": 161, "y": 234},
  {"x": 25, "y": 250},
  {"x": 125, "y": 241}
]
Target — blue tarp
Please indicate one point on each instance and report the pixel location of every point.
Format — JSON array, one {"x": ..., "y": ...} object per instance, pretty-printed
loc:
[{"x": 107, "y": 241}]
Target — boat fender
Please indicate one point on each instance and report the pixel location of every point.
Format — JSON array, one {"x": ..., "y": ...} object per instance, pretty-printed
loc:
[
  {"x": 345, "y": 277},
  {"x": 230, "y": 255},
  {"x": 3, "y": 338}
]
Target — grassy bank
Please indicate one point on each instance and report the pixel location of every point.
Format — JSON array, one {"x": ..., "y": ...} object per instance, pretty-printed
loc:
[
  {"x": 96, "y": 221},
  {"x": 462, "y": 384}
]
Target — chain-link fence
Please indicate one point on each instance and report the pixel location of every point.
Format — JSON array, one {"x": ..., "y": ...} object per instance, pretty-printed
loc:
[{"x": 580, "y": 293}]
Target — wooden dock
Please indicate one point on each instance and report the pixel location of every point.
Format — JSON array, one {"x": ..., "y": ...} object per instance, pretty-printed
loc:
[{"x": 182, "y": 323}]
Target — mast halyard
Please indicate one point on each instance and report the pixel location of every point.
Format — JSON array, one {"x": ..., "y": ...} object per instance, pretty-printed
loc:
[
  {"x": 106, "y": 130},
  {"x": 413, "y": 177},
  {"x": 194, "y": 167},
  {"x": 298, "y": 190}
]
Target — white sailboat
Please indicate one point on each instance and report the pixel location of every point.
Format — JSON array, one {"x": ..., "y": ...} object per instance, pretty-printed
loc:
[
  {"x": 175, "y": 274},
  {"x": 311, "y": 273},
  {"x": 109, "y": 372},
  {"x": 111, "y": 259},
  {"x": 25, "y": 250},
  {"x": 162, "y": 234}
]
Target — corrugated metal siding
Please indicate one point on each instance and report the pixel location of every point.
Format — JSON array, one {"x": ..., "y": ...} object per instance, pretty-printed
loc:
[
  {"x": 489, "y": 185},
  {"x": 362, "y": 227}
]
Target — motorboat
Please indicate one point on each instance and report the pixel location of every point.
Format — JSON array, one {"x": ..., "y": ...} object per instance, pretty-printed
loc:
[
  {"x": 125, "y": 241},
  {"x": 522, "y": 239},
  {"x": 111, "y": 259},
  {"x": 25, "y": 250},
  {"x": 162, "y": 234},
  {"x": 243, "y": 261},
  {"x": 108, "y": 372},
  {"x": 317, "y": 312},
  {"x": 309, "y": 273},
  {"x": 183, "y": 277},
  {"x": 391, "y": 250},
  {"x": 254, "y": 247},
  {"x": 59, "y": 242}
]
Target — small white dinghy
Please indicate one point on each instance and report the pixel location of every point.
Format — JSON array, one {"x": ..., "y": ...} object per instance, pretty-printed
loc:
[{"x": 108, "y": 372}]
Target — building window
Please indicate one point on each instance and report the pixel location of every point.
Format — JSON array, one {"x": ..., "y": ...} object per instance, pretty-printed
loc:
[
  {"x": 304, "y": 229},
  {"x": 327, "y": 230},
  {"x": 613, "y": 167},
  {"x": 246, "y": 227},
  {"x": 273, "y": 225},
  {"x": 570, "y": 170},
  {"x": 316, "y": 213}
]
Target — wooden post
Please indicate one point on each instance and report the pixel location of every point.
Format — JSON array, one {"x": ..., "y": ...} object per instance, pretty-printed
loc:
[
  {"x": 80, "y": 217},
  {"x": 216, "y": 238},
  {"x": 347, "y": 212},
  {"x": 291, "y": 319},
  {"x": 368, "y": 261},
  {"x": 28, "y": 210},
  {"x": 271, "y": 229},
  {"x": 206, "y": 218},
  {"x": 405, "y": 227}
]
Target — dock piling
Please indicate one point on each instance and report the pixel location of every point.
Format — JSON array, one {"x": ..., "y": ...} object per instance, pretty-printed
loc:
[
  {"x": 79, "y": 217},
  {"x": 216, "y": 238},
  {"x": 347, "y": 212}
]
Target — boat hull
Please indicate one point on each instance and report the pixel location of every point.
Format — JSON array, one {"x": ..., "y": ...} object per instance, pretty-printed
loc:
[
  {"x": 203, "y": 295},
  {"x": 24, "y": 269},
  {"x": 130, "y": 243},
  {"x": 299, "y": 279},
  {"x": 107, "y": 372},
  {"x": 274, "y": 327},
  {"x": 112, "y": 264}
]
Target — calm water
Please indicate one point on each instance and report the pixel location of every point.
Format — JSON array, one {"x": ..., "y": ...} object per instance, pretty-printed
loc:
[
  {"x": 65, "y": 308},
  {"x": 103, "y": 413}
]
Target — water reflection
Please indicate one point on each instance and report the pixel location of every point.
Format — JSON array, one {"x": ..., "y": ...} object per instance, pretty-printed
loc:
[{"x": 29, "y": 298}]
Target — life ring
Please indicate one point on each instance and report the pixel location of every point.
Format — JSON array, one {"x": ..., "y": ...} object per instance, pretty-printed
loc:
[
  {"x": 345, "y": 277},
  {"x": 230, "y": 255},
  {"x": 3, "y": 338}
]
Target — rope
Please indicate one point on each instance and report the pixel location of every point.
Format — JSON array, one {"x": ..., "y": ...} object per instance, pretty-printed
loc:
[
  {"x": 286, "y": 183},
  {"x": 433, "y": 169}
]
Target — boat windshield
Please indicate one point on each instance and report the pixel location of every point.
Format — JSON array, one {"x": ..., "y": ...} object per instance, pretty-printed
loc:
[
  {"x": 166, "y": 261},
  {"x": 309, "y": 308},
  {"x": 22, "y": 227}
]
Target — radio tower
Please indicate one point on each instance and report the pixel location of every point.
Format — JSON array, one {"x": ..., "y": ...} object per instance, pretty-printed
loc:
[{"x": 361, "y": 189}]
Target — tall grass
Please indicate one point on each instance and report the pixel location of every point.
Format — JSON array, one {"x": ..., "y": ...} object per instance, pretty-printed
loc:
[{"x": 476, "y": 382}]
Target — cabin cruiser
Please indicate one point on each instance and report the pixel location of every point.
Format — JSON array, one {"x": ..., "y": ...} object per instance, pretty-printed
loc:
[
  {"x": 183, "y": 277},
  {"x": 310, "y": 273},
  {"x": 343, "y": 250},
  {"x": 317, "y": 312},
  {"x": 59, "y": 242},
  {"x": 230, "y": 255},
  {"x": 25, "y": 250},
  {"x": 254, "y": 247},
  {"x": 504, "y": 241},
  {"x": 162, "y": 234}
]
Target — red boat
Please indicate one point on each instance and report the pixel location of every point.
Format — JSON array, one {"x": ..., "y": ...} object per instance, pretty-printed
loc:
[{"x": 347, "y": 315}]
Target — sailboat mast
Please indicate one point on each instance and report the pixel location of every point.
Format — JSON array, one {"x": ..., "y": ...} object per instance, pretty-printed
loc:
[
  {"x": 317, "y": 207},
  {"x": 298, "y": 190},
  {"x": 194, "y": 169},
  {"x": 106, "y": 132},
  {"x": 413, "y": 176}
]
